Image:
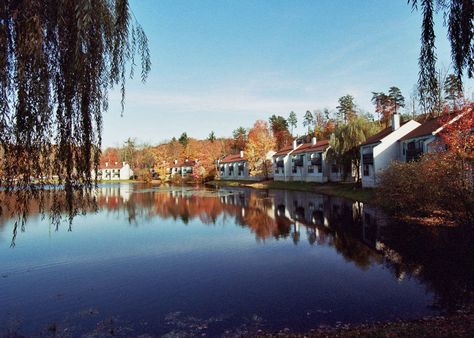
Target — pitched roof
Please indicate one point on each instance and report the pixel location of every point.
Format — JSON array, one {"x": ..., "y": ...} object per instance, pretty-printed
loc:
[
  {"x": 232, "y": 158},
  {"x": 309, "y": 147},
  {"x": 378, "y": 137},
  {"x": 283, "y": 151},
  {"x": 428, "y": 127}
]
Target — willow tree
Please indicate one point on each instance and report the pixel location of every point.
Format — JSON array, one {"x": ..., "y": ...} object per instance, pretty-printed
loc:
[
  {"x": 346, "y": 139},
  {"x": 58, "y": 60},
  {"x": 459, "y": 19}
]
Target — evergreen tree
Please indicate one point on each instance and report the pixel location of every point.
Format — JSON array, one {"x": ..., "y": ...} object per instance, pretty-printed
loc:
[
  {"x": 347, "y": 108},
  {"x": 397, "y": 98},
  {"x": 292, "y": 121},
  {"x": 212, "y": 136},
  {"x": 308, "y": 121}
]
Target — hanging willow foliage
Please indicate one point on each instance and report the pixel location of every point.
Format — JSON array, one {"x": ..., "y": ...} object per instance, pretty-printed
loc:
[
  {"x": 459, "y": 18},
  {"x": 58, "y": 59}
]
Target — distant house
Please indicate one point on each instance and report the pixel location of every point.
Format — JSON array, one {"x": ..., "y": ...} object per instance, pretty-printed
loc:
[
  {"x": 382, "y": 148},
  {"x": 114, "y": 171},
  {"x": 425, "y": 138},
  {"x": 182, "y": 168},
  {"x": 306, "y": 162},
  {"x": 235, "y": 167}
]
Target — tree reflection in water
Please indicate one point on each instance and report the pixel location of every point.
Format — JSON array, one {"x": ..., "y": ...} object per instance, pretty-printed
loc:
[{"x": 440, "y": 258}]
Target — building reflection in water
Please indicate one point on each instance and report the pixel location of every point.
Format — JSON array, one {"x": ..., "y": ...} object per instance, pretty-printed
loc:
[{"x": 441, "y": 258}]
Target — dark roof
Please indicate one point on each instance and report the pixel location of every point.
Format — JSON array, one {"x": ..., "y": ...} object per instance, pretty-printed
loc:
[
  {"x": 232, "y": 158},
  {"x": 379, "y": 136},
  {"x": 283, "y": 151},
  {"x": 309, "y": 147},
  {"x": 428, "y": 127}
]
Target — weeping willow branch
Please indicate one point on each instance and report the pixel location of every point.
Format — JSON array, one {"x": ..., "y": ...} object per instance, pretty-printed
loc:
[
  {"x": 58, "y": 59},
  {"x": 459, "y": 19}
]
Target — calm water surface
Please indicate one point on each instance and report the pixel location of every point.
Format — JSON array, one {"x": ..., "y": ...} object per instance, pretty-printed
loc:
[{"x": 191, "y": 261}]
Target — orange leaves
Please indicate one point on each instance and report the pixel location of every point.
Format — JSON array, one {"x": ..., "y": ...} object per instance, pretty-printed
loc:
[
  {"x": 459, "y": 134},
  {"x": 260, "y": 142}
]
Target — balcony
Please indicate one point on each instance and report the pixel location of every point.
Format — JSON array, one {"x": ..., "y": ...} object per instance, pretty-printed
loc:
[
  {"x": 413, "y": 154},
  {"x": 298, "y": 162},
  {"x": 280, "y": 164},
  {"x": 368, "y": 158},
  {"x": 316, "y": 160}
]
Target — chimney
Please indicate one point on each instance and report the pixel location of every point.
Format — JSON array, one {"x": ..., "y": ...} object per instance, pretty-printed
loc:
[
  {"x": 116, "y": 163},
  {"x": 294, "y": 144},
  {"x": 106, "y": 164},
  {"x": 123, "y": 164},
  {"x": 242, "y": 154},
  {"x": 196, "y": 160},
  {"x": 395, "y": 121},
  {"x": 175, "y": 161},
  {"x": 313, "y": 141},
  {"x": 186, "y": 160}
]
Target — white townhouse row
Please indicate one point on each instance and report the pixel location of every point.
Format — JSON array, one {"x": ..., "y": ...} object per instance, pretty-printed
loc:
[
  {"x": 400, "y": 142},
  {"x": 235, "y": 167},
  {"x": 306, "y": 162},
  {"x": 182, "y": 168}
]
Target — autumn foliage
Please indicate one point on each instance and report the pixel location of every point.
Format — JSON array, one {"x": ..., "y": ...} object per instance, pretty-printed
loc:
[{"x": 260, "y": 142}]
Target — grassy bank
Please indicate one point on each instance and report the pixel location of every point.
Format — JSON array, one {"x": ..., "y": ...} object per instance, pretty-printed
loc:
[{"x": 347, "y": 190}]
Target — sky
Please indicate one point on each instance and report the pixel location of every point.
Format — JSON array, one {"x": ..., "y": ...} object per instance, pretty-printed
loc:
[{"x": 221, "y": 64}]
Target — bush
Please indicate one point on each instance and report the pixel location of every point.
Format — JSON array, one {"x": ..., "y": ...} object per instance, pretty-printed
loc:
[{"x": 438, "y": 182}]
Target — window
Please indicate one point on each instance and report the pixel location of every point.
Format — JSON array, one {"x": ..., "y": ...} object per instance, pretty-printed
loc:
[
  {"x": 320, "y": 168},
  {"x": 310, "y": 169},
  {"x": 366, "y": 170}
]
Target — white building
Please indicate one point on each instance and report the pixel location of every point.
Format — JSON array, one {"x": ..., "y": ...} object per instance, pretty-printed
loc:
[
  {"x": 425, "y": 138},
  {"x": 381, "y": 149},
  {"x": 282, "y": 162},
  {"x": 114, "y": 171},
  {"x": 307, "y": 162},
  {"x": 183, "y": 168},
  {"x": 235, "y": 167}
]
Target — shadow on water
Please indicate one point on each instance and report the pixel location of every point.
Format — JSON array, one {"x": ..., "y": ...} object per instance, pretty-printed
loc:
[{"x": 439, "y": 258}]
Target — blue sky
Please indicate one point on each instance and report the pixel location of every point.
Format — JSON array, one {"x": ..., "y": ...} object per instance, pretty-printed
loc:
[{"x": 220, "y": 64}]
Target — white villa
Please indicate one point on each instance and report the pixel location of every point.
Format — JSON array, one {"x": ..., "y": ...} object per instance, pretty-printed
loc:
[
  {"x": 235, "y": 167},
  {"x": 307, "y": 162},
  {"x": 183, "y": 168},
  {"x": 382, "y": 148},
  {"x": 114, "y": 172}
]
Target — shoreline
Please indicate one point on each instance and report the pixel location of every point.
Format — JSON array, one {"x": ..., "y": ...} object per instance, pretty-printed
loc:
[{"x": 347, "y": 190}]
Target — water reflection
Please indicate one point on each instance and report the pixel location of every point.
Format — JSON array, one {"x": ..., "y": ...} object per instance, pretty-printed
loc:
[
  {"x": 441, "y": 258},
  {"x": 289, "y": 222}
]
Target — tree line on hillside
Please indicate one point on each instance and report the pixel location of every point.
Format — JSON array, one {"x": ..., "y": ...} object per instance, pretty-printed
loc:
[{"x": 346, "y": 128}]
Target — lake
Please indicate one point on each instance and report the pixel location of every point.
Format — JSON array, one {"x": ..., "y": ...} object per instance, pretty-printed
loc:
[{"x": 186, "y": 261}]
